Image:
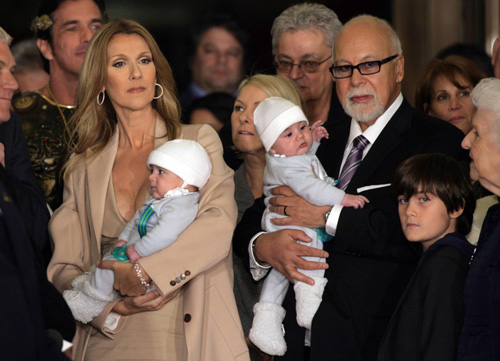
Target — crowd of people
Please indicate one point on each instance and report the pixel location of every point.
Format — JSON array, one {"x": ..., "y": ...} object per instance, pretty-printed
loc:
[{"x": 137, "y": 223}]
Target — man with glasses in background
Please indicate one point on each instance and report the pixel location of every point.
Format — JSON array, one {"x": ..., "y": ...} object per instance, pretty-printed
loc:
[
  {"x": 302, "y": 42},
  {"x": 369, "y": 260}
]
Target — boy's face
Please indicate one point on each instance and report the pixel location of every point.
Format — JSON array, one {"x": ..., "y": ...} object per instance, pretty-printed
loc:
[
  {"x": 295, "y": 140},
  {"x": 161, "y": 181},
  {"x": 425, "y": 219}
]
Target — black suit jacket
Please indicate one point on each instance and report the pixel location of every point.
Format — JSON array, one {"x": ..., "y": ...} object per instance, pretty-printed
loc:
[
  {"x": 370, "y": 260},
  {"x": 24, "y": 235}
]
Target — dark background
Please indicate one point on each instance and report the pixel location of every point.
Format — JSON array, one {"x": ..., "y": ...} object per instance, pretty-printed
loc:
[{"x": 169, "y": 21}]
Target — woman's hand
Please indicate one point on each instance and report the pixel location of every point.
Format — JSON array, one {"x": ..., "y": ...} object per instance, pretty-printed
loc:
[
  {"x": 299, "y": 211},
  {"x": 151, "y": 301},
  {"x": 126, "y": 280}
]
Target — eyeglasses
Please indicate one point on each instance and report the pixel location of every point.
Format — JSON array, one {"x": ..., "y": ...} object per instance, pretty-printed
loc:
[
  {"x": 366, "y": 68},
  {"x": 307, "y": 66}
]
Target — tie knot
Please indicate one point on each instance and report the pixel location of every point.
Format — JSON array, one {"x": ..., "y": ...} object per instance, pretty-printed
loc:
[{"x": 360, "y": 142}]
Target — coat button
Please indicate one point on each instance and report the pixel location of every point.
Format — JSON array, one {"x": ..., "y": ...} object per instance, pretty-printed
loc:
[
  {"x": 177, "y": 279},
  {"x": 172, "y": 283},
  {"x": 187, "y": 317},
  {"x": 187, "y": 273}
]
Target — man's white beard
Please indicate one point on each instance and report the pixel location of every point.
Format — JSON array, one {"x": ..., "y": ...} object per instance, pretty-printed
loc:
[{"x": 363, "y": 112}]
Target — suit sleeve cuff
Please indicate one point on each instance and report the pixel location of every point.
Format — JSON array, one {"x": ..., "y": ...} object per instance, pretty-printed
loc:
[
  {"x": 333, "y": 220},
  {"x": 257, "y": 269}
]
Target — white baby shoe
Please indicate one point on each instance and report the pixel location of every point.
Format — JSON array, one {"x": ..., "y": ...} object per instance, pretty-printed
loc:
[
  {"x": 308, "y": 298},
  {"x": 267, "y": 332}
]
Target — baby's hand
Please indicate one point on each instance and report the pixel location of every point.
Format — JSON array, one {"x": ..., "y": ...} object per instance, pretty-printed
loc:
[
  {"x": 350, "y": 200},
  {"x": 120, "y": 243},
  {"x": 318, "y": 131},
  {"x": 132, "y": 254}
]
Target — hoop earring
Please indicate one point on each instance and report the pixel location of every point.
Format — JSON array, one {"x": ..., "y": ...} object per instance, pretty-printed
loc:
[
  {"x": 161, "y": 88},
  {"x": 101, "y": 102}
]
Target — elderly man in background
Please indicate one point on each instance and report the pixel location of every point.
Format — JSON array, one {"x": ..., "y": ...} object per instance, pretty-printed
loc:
[
  {"x": 217, "y": 59},
  {"x": 31, "y": 305},
  {"x": 29, "y": 72},
  {"x": 370, "y": 261},
  {"x": 480, "y": 338},
  {"x": 302, "y": 40},
  {"x": 63, "y": 29}
]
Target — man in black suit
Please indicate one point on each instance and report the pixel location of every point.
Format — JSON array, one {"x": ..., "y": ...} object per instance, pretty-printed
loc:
[
  {"x": 30, "y": 304},
  {"x": 369, "y": 262}
]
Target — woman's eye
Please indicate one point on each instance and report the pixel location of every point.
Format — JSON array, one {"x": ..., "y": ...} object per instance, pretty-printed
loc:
[
  {"x": 118, "y": 64},
  {"x": 145, "y": 61},
  {"x": 402, "y": 200},
  {"x": 238, "y": 108},
  {"x": 465, "y": 93}
]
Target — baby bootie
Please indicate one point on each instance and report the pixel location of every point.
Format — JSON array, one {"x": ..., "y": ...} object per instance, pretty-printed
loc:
[
  {"x": 85, "y": 302},
  {"x": 266, "y": 332},
  {"x": 308, "y": 298}
]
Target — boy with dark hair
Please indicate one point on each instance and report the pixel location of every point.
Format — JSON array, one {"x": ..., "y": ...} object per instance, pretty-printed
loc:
[{"x": 435, "y": 203}]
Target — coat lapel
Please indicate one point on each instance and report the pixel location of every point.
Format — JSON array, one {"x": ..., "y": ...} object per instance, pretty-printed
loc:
[
  {"x": 98, "y": 177},
  {"x": 390, "y": 137}
]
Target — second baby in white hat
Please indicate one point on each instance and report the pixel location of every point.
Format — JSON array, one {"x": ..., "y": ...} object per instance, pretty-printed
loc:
[
  {"x": 179, "y": 168},
  {"x": 290, "y": 160}
]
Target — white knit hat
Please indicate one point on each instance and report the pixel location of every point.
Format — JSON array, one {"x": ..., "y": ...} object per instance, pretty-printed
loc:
[
  {"x": 272, "y": 116},
  {"x": 186, "y": 158}
]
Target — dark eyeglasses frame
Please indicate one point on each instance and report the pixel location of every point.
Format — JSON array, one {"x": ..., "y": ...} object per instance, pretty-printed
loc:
[
  {"x": 299, "y": 65},
  {"x": 379, "y": 62}
]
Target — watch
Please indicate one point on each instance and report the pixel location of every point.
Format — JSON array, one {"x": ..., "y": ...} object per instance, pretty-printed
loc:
[{"x": 327, "y": 214}]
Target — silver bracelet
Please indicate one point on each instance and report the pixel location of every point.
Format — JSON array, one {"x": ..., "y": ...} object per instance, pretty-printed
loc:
[{"x": 139, "y": 275}]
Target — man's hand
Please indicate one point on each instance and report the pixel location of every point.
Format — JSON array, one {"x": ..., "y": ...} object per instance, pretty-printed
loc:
[
  {"x": 299, "y": 211},
  {"x": 281, "y": 250}
]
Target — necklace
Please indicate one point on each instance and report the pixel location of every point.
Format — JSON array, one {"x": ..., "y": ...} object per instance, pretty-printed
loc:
[{"x": 58, "y": 108}]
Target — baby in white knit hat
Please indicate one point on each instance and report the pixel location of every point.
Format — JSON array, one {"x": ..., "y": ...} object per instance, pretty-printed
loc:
[
  {"x": 179, "y": 168},
  {"x": 290, "y": 160}
]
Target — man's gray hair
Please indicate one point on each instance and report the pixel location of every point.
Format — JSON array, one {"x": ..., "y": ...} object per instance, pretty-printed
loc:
[
  {"x": 4, "y": 37},
  {"x": 306, "y": 16},
  {"x": 364, "y": 19}
]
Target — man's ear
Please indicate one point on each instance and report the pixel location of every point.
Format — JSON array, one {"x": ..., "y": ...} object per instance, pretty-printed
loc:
[
  {"x": 400, "y": 68},
  {"x": 45, "y": 49}
]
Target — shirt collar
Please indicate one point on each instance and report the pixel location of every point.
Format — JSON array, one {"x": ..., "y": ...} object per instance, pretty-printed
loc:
[{"x": 373, "y": 131}]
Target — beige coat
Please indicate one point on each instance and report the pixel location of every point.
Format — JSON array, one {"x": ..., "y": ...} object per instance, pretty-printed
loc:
[{"x": 202, "y": 253}]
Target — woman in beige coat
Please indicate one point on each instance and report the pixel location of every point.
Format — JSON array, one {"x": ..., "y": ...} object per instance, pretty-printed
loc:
[{"x": 193, "y": 315}]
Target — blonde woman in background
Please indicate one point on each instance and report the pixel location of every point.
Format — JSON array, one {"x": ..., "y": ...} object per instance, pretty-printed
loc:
[{"x": 248, "y": 177}]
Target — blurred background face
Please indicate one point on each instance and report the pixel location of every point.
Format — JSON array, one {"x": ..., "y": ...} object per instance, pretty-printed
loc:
[
  {"x": 8, "y": 83},
  {"x": 244, "y": 134},
  {"x": 453, "y": 104},
  {"x": 218, "y": 62},
  {"x": 205, "y": 116}
]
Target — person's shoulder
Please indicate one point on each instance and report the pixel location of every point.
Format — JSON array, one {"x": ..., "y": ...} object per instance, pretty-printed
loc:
[{"x": 27, "y": 102}]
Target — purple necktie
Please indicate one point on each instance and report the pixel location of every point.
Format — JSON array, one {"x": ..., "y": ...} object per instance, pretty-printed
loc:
[{"x": 353, "y": 161}]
